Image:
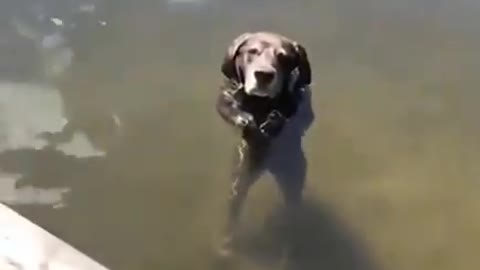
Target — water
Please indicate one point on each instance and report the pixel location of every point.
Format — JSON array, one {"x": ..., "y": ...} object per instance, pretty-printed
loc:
[{"x": 139, "y": 178}]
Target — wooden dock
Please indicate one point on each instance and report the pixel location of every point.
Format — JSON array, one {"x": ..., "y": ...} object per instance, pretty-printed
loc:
[{"x": 26, "y": 246}]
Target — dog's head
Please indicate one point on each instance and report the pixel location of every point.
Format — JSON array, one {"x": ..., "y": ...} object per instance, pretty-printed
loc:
[{"x": 263, "y": 62}]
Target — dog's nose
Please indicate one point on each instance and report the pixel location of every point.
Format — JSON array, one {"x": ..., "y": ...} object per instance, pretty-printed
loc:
[{"x": 264, "y": 76}]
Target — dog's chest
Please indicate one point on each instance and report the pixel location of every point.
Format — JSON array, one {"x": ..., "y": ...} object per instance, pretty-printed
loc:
[{"x": 259, "y": 107}]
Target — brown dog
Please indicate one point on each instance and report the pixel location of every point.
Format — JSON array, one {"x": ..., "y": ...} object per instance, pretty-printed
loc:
[
  {"x": 267, "y": 77},
  {"x": 263, "y": 61}
]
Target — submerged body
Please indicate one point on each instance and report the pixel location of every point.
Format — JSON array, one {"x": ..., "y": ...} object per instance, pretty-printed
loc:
[{"x": 267, "y": 88}]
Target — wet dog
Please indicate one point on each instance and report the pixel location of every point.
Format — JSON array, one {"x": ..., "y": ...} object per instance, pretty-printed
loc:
[{"x": 267, "y": 79}]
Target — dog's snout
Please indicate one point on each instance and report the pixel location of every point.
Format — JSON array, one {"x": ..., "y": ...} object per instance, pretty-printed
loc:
[{"x": 264, "y": 76}]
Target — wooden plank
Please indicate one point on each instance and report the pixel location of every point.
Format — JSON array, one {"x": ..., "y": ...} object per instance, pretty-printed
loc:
[{"x": 26, "y": 246}]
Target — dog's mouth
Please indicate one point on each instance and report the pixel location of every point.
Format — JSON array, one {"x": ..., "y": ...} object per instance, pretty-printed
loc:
[{"x": 259, "y": 92}]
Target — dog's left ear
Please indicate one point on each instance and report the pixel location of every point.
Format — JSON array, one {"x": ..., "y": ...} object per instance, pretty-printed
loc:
[{"x": 303, "y": 64}]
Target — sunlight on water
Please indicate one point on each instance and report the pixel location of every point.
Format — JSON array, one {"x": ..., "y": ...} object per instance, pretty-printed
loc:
[{"x": 27, "y": 111}]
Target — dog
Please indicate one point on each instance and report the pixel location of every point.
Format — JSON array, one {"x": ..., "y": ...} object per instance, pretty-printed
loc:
[{"x": 267, "y": 76}]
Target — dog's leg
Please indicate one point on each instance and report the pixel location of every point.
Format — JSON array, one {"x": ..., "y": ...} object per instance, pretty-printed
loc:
[
  {"x": 291, "y": 180},
  {"x": 289, "y": 167},
  {"x": 289, "y": 171},
  {"x": 247, "y": 169}
]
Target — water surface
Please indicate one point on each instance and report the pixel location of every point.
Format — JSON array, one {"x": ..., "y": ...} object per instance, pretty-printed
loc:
[{"x": 139, "y": 178}]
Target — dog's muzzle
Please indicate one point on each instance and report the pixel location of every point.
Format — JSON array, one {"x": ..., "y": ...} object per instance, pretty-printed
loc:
[{"x": 261, "y": 83}]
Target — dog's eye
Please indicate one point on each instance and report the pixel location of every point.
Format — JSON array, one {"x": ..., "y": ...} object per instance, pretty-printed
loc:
[
  {"x": 282, "y": 56},
  {"x": 252, "y": 51}
]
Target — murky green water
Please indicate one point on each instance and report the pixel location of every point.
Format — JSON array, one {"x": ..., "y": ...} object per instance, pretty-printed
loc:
[{"x": 393, "y": 154}]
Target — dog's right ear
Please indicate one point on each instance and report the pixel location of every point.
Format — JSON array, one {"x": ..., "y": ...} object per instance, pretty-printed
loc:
[{"x": 228, "y": 66}]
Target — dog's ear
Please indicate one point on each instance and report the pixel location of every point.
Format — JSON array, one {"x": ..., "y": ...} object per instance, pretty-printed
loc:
[
  {"x": 303, "y": 64},
  {"x": 228, "y": 66}
]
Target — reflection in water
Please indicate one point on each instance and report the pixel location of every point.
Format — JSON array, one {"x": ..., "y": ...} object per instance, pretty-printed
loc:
[
  {"x": 393, "y": 152},
  {"x": 12, "y": 195},
  {"x": 28, "y": 111},
  {"x": 26, "y": 121}
]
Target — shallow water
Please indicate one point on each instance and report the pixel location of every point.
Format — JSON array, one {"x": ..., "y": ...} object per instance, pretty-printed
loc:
[{"x": 140, "y": 178}]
